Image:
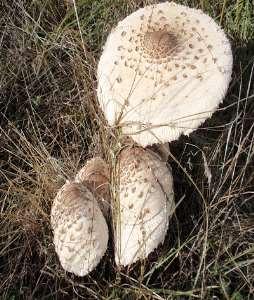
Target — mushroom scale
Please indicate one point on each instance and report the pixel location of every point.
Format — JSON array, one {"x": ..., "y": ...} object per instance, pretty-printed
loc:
[
  {"x": 164, "y": 70},
  {"x": 80, "y": 230},
  {"x": 146, "y": 201},
  {"x": 96, "y": 175}
]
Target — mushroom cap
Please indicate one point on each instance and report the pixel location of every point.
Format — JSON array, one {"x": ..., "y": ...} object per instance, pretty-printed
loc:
[
  {"x": 95, "y": 174},
  {"x": 146, "y": 201},
  {"x": 164, "y": 70},
  {"x": 80, "y": 230},
  {"x": 162, "y": 150}
]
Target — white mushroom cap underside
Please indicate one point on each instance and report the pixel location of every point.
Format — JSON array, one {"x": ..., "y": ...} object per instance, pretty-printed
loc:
[
  {"x": 80, "y": 230},
  {"x": 164, "y": 70},
  {"x": 146, "y": 201}
]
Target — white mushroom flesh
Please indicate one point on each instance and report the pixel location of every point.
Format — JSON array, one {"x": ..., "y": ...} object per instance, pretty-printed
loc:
[
  {"x": 80, "y": 230},
  {"x": 146, "y": 201},
  {"x": 164, "y": 70}
]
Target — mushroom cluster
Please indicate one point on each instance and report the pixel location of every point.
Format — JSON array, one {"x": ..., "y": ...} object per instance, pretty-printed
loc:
[{"x": 163, "y": 71}]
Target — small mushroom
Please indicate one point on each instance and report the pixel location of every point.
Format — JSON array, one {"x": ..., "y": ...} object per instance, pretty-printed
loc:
[
  {"x": 80, "y": 230},
  {"x": 95, "y": 174},
  {"x": 146, "y": 201},
  {"x": 164, "y": 70}
]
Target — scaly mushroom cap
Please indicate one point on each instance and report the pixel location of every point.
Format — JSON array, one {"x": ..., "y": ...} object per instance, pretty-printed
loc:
[
  {"x": 80, "y": 230},
  {"x": 146, "y": 201},
  {"x": 95, "y": 174},
  {"x": 164, "y": 70}
]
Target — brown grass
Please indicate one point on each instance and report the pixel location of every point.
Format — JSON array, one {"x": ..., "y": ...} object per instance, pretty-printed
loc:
[{"x": 51, "y": 123}]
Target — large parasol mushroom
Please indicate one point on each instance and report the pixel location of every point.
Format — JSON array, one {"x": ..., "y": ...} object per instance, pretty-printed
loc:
[{"x": 164, "y": 70}]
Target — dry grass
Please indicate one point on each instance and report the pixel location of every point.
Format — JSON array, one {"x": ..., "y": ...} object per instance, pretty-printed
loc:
[{"x": 50, "y": 124}]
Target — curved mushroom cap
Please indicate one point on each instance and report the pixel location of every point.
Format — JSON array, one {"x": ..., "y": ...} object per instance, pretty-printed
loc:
[
  {"x": 95, "y": 174},
  {"x": 80, "y": 230},
  {"x": 164, "y": 70},
  {"x": 146, "y": 202}
]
